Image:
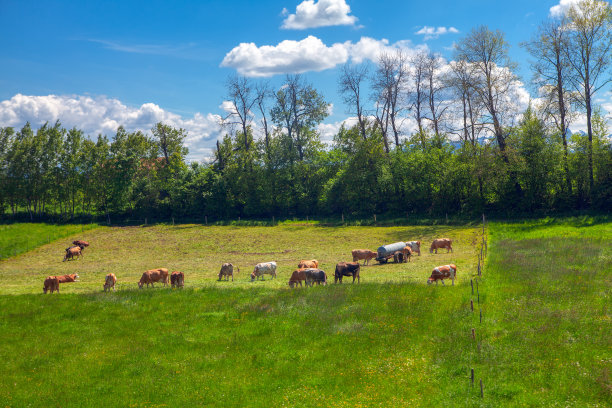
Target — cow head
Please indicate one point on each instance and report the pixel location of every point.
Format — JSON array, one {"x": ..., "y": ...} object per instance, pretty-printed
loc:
[
  {"x": 140, "y": 284},
  {"x": 252, "y": 276},
  {"x": 430, "y": 281}
]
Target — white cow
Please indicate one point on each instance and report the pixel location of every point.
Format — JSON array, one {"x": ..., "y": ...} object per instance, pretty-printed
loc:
[
  {"x": 415, "y": 246},
  {"x": 264, "y": 268}
]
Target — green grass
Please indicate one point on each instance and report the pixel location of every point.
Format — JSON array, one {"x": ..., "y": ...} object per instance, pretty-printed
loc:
[
  {"x": 390, "y": 341},
  {"x": 16, "y": 239}
]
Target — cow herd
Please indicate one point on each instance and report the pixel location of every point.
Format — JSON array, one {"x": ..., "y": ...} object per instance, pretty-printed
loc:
[{"x": 307, "y": 271}]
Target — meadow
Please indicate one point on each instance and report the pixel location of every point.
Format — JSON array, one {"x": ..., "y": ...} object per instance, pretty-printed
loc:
[{"x": 392, "y": 340}]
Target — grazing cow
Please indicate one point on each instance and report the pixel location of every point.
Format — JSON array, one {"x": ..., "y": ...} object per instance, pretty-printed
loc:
[
  {"x": 297, "y": 277},
  {"x": 152, "y": 276},
  {"x": 227, "y": 270},
  {"x": 308, "y": 264},
  {"x": 73, "y": 277},
  {"x": 109, "y": 282},
  {"x": 72, "y": 252},
  {"x": 399, "y": 257},
  {"x": 81, "y": 243},
  {"x": 365, "y": 254},
  {"x": 415, "y": 246},
  {"x": 177, "y": 279},
  {"x": 315, "y": 275},
  {"x": 443, "y": 272},
  {"x": 441, "y": 243},
  {"x": 407, "y": 253},
  {"x": 51, "y": 284},
  {"x": 346, "y": 269},
  {"x": 264, "y": 268}
]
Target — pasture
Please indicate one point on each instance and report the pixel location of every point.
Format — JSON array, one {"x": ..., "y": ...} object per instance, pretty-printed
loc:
[{"x": 390, "y": 341}]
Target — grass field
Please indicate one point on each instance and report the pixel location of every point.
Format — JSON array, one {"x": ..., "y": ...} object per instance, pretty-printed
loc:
[
  {"x": 19, "y": 238},
  {"x": 390, "y": 341}
]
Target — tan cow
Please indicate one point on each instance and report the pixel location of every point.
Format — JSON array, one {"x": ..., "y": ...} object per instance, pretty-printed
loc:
[
  {"x": 441, "y": 243},
  {"x": 313, "y": 263},
  {"x": 51, "y": 284},
  {"x": 177, "y": 279},
  {"x": 152, "y": 276},
  {"x": 407, "y": 253},
  {"x": 109, "y": 282},
  {"x": 365, "y": 254},
  {"x": 227, "y": 270},
  {"x": 72, "y": 252},
  {"x": 297, "y": 277},
  {"x": 443, "y": 272}
]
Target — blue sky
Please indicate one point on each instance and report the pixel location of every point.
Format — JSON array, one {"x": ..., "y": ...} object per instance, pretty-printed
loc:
[{"x": 98, "y": 64}]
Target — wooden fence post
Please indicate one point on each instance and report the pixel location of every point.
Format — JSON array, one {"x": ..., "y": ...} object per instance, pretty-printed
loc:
[
  {"x": 472, "y": 376},
  {"x": 342, "y": 217},
  {"x": 481, "y": 389},
  {"x": 206, "y": 219},
  {"x": 480, "y": 315},
  {"x": 172, "y": 220},
  {"x": 473, "y": 334},
  {"x": 472, "y": 304},
  {"x": 273, "y": 222},
  {"x": 472, "y": 284},
  {"x": 374, "y": 217}
]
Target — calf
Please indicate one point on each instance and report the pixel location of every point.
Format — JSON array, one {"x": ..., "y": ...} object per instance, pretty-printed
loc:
[
  {"x": 109, "y": 282},
  {"x": 443, "y": 272},
  {"x": 227, "y": 270},
  {"x": 365, "y": 254},
  {"x": 51, "y": 284},
  {"x": 308, "y": 264},
  {"x": 346, "y": 269},
  {"x": 72, "y": 252},
  {"x": 262, "y": 269},
  {"x": 152, "y": 276},
  {"x": 315, "y": 275},
  {"x": 297, "y": 277},
  {"x": 177, "y": 279},
  {"x": 441, "y": 243}
]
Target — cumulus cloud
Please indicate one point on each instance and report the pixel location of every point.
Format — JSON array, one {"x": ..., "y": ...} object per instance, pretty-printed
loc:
[
  {"x": 103, "y": 115},
  {"x": 309, "y": 54},
  {"x": 560, "y": 9},
  {"x": 430, "y": 33},
  {"x": 322, "y": 13}
]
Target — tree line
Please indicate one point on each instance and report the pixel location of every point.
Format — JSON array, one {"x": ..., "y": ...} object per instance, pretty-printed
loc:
[{"x": 472, "y": 150}]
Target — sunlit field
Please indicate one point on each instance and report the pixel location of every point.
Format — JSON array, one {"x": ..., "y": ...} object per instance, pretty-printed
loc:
[{"x": 390, "y": 341}]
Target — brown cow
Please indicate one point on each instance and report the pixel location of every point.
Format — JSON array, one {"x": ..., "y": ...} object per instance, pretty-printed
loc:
[
  {"x": 308, "y": 264},
  {"x": 365, "y": 254},
  {"x": 51, "y": 284},
  {"x": 443, "y": 272},
  {"x": 152, "y": 276},
  {"x": 346, "y": 269},
  {"x": 81, "y": 243},
  {"x": 441, "y": 243},
  {"x": 399, "y": 257},
  {"x": 73, "y": 277},
  {"x": 297, "y": 277},
  {"x": 177, "y": 279},
  {"x": 407, "y": 253},
  {"x": 72, "y": 252},
  {"x": 227, "y": 270},
  {"x": 109, "y": 282}
]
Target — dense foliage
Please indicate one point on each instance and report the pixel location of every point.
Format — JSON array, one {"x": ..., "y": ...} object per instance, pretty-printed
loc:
[{"x": 60, "y": 171}]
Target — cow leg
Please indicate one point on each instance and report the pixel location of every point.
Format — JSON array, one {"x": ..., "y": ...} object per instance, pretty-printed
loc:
[{"x": 443, "y": 282}]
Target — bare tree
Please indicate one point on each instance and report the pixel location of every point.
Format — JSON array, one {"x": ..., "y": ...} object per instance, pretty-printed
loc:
[
  {"x": 552, "y": 77},
  {"x": 389, "y": 84},
  {"x": 349, "y": 85},
  {"x": 493, "y": 78},
  {"x": 460, "y": 80},
  {"x": 589, "y": 53},
  {"x": 242, "y": 98},
  {"x": 262, "y": 93},
  {"x": 435, "y": 88},
  {"x": 417, "y": 96}
]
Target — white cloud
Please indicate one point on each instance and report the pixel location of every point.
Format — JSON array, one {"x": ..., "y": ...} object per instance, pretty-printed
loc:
[
  {"x": 435, "y": 32},
  {"x": 103, "y": 115},
  {"x": 309, "y": 54},
  {"x": 311, "y": 14},
  {"x": 560, "y": 9}
]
